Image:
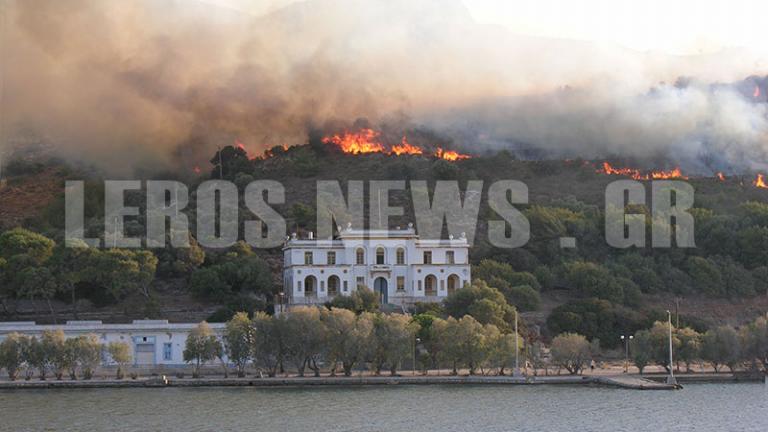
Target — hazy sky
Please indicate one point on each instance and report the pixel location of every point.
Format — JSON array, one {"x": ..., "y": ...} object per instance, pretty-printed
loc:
[{"x": 670, "y": 26}]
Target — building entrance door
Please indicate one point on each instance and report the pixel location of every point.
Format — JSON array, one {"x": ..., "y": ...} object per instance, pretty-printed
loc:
[{"x": 380, "y": 286}]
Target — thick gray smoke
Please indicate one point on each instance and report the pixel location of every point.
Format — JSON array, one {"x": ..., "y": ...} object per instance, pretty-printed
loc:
[{"x": 136, "y": 84}]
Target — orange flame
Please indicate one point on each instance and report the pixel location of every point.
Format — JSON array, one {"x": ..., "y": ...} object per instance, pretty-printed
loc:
[
  {"x": 406, "y": 148},
  {"x": 197, "y": 170},
  {"x": 639, "y": 175},
  {"x": 756, "y": 93},
  {"x": 721, "y": 176},
  {"x": 240, "y": 145},
  {"x": 450, "y": 155},
  {"x": 760, "y": 182},
  {"x": 367, "y": 141},
  {"x": 363, "y": 141},
  {"x": 268, "y": 153}
]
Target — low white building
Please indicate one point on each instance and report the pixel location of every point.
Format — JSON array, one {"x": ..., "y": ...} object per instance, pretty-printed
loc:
[
  {"x": 152, "y": 342},
  {"x": 397, "y": 264}
]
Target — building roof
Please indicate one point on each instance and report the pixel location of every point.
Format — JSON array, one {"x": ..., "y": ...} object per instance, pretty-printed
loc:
[
  {"x": 362, "y": 234},
  {"x": 100, "y": 327}
]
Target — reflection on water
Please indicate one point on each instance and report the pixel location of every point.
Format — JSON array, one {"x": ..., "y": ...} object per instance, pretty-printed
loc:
[{"x": 704, "y": 407}]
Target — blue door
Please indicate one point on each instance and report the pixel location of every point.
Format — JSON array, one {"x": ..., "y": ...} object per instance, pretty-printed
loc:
[{"x": 380, "y": 285}]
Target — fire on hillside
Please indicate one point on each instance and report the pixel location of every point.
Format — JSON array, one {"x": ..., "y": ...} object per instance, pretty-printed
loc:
[
  {"x": 638, "y": 174},
  {"x": 367, "y": 140}
]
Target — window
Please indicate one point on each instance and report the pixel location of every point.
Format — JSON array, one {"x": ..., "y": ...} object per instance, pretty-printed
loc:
[
  {"x": 401, "y": 283},
  {"x": 346, "y": 286},
  {"x": 360, "y": 256},
  {"x": 427, "y": 257},
  {"x": 331, "y": 258},
  {"x": 450, "y": 258},
  {"x": 360, "y": 282},
  {"x": 380, "y": 256},
  {"x": 307, "y": 258},
  {"x": 298, "y": 286},
  {"x": 400, "y": 256},
  {"x": 167, "y": 352}
]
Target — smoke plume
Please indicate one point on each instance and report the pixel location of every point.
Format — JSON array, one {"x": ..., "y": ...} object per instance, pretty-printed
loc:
[{"x": 159, "y": 84}]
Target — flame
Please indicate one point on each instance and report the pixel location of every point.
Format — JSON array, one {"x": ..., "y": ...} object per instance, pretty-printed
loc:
[
  {"x": 639, "y": 175},
  {"x": 406, "y": 148},
  {"x": 720, "y": 176},
  {"x": 197, "y": 170},
  {"x": 268, "y": 153},
  {"x": 367, "y": 141},
  {"x": 756, "y": 93},
  {"x": 760, "y": 182},
  {"x": 450, "y": 155},
  {"x": 362, "y": 141},
  {"x": 240, "y": 145}
]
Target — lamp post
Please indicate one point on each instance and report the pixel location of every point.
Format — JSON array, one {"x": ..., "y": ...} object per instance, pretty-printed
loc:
[
  {"x": 516, "y": 372},
  {"x": 626, "y": 340},
  {"x": 671, "y": 378},
  {"x": 280, "y": 300},
  {"x": 416, "y": 340}
]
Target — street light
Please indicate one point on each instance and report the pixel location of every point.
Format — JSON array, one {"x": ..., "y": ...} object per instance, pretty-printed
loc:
[
  {"x": 516, "y": 372},
  {"x": 416, "y": 340},
  {"x": 671, "y": 378},
  {"x": 626, "y": 351}
]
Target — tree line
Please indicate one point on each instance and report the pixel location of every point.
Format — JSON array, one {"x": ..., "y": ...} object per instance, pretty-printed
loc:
[
  {"x": 722, "y": 346},
  {"x": 54, "y": 353},
  {"x": 339, "y": 340}
]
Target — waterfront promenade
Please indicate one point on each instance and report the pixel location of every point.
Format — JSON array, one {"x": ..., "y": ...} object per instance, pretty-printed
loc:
[{"x": 634, "y": 382}]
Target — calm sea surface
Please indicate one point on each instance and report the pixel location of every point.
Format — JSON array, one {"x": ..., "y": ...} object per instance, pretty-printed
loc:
[{"x": 703, "y": 407}]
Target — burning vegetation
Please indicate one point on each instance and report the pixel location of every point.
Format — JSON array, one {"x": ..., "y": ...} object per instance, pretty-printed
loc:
[
  {"x": 638, "y": 174},
  {"x": 367, "y": 140}
]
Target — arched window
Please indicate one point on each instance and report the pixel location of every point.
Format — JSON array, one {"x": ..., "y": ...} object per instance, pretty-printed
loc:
[
  {"x": 333, "y": 285},
  {"x": 310, "y": 286},
  {"x": 430, "y": 285},
  {"x": 453, "y": 283},
  {"x": 400, "y": 256},
  {"x": 380, "y": 256},
  {"x": 360, "y": 256}
]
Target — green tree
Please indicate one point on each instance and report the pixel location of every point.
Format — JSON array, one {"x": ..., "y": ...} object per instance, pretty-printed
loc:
[
  {"x": 464, "y": 342},
  {"x": 642, "y": 350},
  {"x": 305, "y": 336},
  {"x": 720, "y": 346},
  {"x": 495, "y": 310},
  {"x": 755, "y": 342},
  {"x": 571, "y": 351},
  {"x": 35, "y": 356},
  {"x": 54, "y": 344},
  {"x": 87, "y": 350},
  {"x": 201, "y": 346},
  {"x": 38, "y": 283},
  {"x": 349, "y": 337},
  {"x": 12, "y": 354},
  {"x": 393, "y": 338},
  {"x": 20, "y": 241},
  {"x": 593, "y": 280},
  {"x": 238, "y": 338},
  {"x": 206, "y": 283},
  {"x": 269, "y": 341},
  {"x": 690, "y": 346},
  {"x": 120, "y": 352}
]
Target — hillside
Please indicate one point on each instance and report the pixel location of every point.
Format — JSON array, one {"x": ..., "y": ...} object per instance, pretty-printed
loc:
[{"x": 566, "y": 198}]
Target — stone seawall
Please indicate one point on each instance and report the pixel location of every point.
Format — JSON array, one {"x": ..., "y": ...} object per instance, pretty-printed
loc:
[{"x": 621, "y": 381}]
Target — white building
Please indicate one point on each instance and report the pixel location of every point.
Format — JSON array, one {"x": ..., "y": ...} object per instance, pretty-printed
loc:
[
  {"x": 152, "y": 342},
  {"x": 397, "y": 264}
]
